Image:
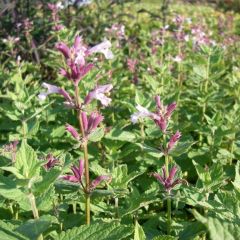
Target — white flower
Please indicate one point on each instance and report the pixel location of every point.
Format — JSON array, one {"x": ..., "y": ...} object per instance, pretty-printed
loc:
[
  {"x": 99, "y": 94},
  {"x": 177, "y": 59},
  {"x": 59, "y": 5},
  {"x": 50, "y": 89},
  {"x": 103, "y": 48},
  {"x": 142, "y": 113}
]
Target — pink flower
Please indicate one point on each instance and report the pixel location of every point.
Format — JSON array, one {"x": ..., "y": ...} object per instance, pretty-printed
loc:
[
  {"x": 72, "y": 131},
  {"x": 99, "y": 94},
  {"x": 77, "y": 173},
  {"x": 168, "y": 182},
  {"x": 98, "y": 180},
  {"x": 131, "y": 64},
  {"x": 52, "y": 161},
  {"x": 64, "y": 49},
  {"x": 78, "y": 177},
  {"x": 90, "y": 123},
  {"x": 173, "y": 140}
]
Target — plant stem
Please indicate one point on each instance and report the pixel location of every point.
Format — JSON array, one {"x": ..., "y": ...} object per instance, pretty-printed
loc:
[
  {"x": 85, "y": 152},
  {"x": 32, "y": 201},
  {"x": 116, "y": 207},
  {"x": 232, "y": 149},
  {"x": 168, "y": 199},
  {"x": 169, "y": 212}
]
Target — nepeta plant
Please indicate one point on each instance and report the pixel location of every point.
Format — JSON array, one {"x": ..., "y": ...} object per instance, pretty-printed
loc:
[
  {"x": 76, "y": 68},
  {"x": 161, "y": 117}
]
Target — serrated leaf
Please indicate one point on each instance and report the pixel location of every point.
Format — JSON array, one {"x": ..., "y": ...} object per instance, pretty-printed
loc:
[
  {"x": 219, "y": 229},
  {"x": 7, "y": 232},
  {"x": 34, "y": 227},
  {"x": 121, "y": 178},
  {"x": 203, "y": 174},
  {"x": 236, "y": 182},
  {"x": 97, "y": 135},
  {"x": 47, "y": 180},
  {"x": 102, "y": 231},
  {"x": 181, "y": 147},
  {"x": 26, "y": 161},
  {"x": 138, "y": 232},
  {"x": 120, "y": 135},
  {"x": 150, "y": 150},
  {"x": 165, "y": 237},
  {"x": 14, "y": 171}
]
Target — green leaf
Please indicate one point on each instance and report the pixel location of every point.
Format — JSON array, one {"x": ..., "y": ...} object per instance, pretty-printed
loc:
[
  {"x": 121, "y": 178},
  {"x": 138, "y": 232},
  {"x": 181, "y": 147},
  {"x": 7, "y": 232},
  {"x": 32, "y": 127},
  {"x": 236, "y": 182},
  {"x": 14, "y": 171},
  {"x": 97, "y": 135},
  {"x": 34, "y": 227},
  {"x": 9, "y": 190},
  {"x": 150, "y": 150},
  {"x": 103, "y": 231},
  {"x": 191, "y": 231},
  {"x": 203, "y": 174},
  {"x": 47, "y": 180},
  {"x": 165, "y": 237},
  {"x": 120, "y": 135},
  {"x": 219, "y": 229},
  {"x": 26, "y": 161}
]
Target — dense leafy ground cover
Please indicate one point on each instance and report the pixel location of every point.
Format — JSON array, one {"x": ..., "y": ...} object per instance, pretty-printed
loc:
[{"x": 133, "y": 138}]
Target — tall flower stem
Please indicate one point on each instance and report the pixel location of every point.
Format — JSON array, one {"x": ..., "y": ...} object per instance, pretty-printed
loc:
[{"x": 86, "y": 163}]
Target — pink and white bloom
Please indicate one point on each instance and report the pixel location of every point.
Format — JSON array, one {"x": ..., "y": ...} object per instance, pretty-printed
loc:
[
  {"x": 142, "y": 113},
  {"x": 76, "y": 58},
  {"x": 99, "y": 93}
]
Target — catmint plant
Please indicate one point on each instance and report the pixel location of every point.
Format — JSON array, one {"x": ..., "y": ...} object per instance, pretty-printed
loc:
[
  {"x": 55, "y": 8},
  {"x": 161, "y": 116},
  {"x": 77, "y": 66}
]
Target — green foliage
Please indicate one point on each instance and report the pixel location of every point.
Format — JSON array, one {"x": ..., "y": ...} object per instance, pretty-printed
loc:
[
  {"x": 35, "y": 200},
  {"x": 104, "y": 231}
]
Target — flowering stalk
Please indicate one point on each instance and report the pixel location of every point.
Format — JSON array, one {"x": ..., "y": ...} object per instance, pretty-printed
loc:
[
  {"x": 75, "y": 69},
  {"x": 161, "y": 118}
]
